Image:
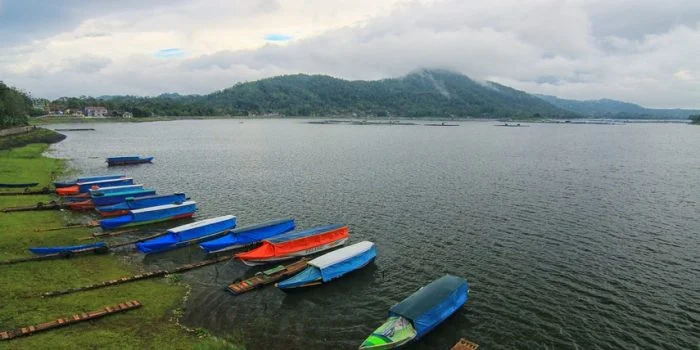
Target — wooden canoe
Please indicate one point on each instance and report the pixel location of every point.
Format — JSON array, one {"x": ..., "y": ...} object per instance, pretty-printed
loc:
[{"x": 266, "y": 277}]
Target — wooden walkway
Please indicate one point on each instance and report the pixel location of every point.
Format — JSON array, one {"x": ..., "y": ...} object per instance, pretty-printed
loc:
[
  {"x": 143, "y": 276},
  {"x": 62, "y": 322}
]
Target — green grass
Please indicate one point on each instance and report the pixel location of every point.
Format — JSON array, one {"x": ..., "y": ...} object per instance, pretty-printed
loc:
[
  {"x": 152, "y": 326},
  {"x": 38, "y": 135}
]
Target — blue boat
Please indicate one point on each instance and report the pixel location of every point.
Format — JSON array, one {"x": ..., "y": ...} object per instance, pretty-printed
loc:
[
  {"x": 128, "y": 160},
  {"x": 118, "y": 197},
  {"x": 112, "y": 189},
  {"x": 54, "y": 250},
  {"x": 418, "y": 314},
  {"x": 332, "y": 265},
  {"x": 150, "y": 215},
  {"x": 248, "y": 235},
  {"x": 187, "y": 234},
  {"x": 140, "y": 203},
  {"x": 59, "y": 184}
]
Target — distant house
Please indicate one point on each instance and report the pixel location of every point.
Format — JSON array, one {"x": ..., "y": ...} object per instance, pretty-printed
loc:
[
  {"x": 95, "y": 111},
  {"x": 127, "y": 115},
  {"x": 55, "y": 109}
]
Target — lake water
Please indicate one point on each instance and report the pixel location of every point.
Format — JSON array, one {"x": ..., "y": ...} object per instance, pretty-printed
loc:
[{"x": 571, "y": 236}]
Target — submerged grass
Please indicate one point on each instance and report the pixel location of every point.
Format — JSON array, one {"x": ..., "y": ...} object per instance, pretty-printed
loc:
[{"x": 152, "y": 326}]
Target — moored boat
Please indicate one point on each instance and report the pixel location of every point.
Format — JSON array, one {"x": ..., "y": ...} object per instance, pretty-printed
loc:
[
  {"x": 332, "y": 265},
  {"x": 83, "y": 187},
  {"x": 62, "y": 249},
  {"x": 248, "y": 235},
  {"x": 112, "y": 189},
  {"x": 59, "y": 184},
  {"x": 187, "y": 234},
  {"x": 418, "y": 314},
  {"x": 151, "y": 215},
  {"x": 266, "y": 277},
  {"x": 296, "y": 244},
  {"x": 118, "y": 197},
  {"x": 132, "y": 203},
  {"x": 128, "y": 160}
]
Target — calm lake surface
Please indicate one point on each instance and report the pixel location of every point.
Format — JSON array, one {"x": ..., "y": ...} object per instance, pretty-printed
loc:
[{"x": 571, "y": 236}]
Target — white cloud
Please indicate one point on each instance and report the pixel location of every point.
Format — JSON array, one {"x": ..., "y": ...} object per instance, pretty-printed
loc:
[{"x": 641, "y": 51}]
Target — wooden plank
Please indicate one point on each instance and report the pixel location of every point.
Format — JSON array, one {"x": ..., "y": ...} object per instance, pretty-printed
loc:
[
  {"x": 464, "y": 344},
  {"x": 261, "y": 279},
  {"x": 143, "y": 276},
  {"x": 53, "y": 205},
  {"x": 27, "y": 192},
  {"x": 61, "y": 322}
]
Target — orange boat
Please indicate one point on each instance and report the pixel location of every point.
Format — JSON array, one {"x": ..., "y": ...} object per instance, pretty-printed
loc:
[{"x": 296, "y": 244}]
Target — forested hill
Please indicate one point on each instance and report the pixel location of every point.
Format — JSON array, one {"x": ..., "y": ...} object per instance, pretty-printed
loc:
[
  {"x": 606, "y": 108},
  {"x": 15, "y": 106},
  {"x": 428, "y": 93}
]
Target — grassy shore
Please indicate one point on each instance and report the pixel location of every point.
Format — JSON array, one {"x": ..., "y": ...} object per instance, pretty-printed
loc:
[{"x": 151, "y": 327}]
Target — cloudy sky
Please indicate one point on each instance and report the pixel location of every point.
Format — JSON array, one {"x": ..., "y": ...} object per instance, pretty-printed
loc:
[{"x": 643, "y": 51}]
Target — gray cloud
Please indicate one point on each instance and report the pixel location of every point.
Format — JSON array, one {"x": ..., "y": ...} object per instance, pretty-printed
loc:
[{"x": 642, "y": 51}]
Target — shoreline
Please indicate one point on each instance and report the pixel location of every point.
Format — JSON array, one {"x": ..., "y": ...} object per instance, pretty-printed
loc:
[{"x": 155, "y": 325}]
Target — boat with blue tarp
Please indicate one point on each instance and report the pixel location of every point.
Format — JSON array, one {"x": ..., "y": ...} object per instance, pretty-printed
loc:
[
  {"x": 248, "y": 235},
  {"x": 128, "y": 160},
  {"x": 187, "y": 234},
  {"x": 151, "y": 215},
  {"x": 332, "y": 265},
  {"x": 132, "y": 203},
  {"x": 118, "y": 197},
  {"x": 83, "y": 187},
  {"x": 59, "y": 184},
  {"x": 54, "y": 250},
  {"x": 113, "y": 189},
  {"x": 418, "y": 314}
]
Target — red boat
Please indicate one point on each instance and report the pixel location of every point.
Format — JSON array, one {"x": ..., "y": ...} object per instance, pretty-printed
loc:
[{"x": 296, "y": 244}]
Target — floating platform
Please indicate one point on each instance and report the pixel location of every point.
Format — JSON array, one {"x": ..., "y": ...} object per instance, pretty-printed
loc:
[
  {"x": 464, "y": 344},
  {"x": 77, "y": 318},
  {"x": 75, "y": 129},
  {"x": 266, "y": 277}
]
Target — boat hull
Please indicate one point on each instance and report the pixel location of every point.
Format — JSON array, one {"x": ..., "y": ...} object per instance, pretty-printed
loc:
[
  {"x": 146, "y": 222},
  {"x": 128, "y": 160},
  {"x": 249, "y": 235},
  {"x": 298, "y": 254},
  {"x": 395, "y": 332},
  {"x": 187, "y": 234}
]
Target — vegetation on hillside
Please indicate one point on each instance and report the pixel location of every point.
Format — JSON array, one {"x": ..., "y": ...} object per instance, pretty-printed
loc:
[
  {"x": 15, "y": 106},
  {"x": 695, "y": 119},
  {"x": 429, "y": 93},
  {"x": 612, "y": 109}
]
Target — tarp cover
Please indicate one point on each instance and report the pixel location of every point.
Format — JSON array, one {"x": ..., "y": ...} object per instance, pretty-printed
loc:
[
  {"x": 86, "y": 186},
  {"x": 249, "y": 235},
  {"x": 113, "y": 189},
  {"x": 334, "y": 264},
  {"x": 114, "y": 198},
  {"x": 295, "y": 242},
  {"x": 433, "y": 303},
  {"x": 87, "y": 179},
  {"x": 196, "y": 230},
  {"x": 145, "y": 202},
  {"x": 163, "y": 211}
]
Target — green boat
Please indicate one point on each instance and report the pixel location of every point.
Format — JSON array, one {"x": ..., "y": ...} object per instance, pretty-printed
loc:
[
  {"x": 395, "y": 332},
  {"x": 418, "y": 314}
]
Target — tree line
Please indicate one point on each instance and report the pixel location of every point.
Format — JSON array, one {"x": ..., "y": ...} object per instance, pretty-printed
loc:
[{"x": 15, "y": 106}]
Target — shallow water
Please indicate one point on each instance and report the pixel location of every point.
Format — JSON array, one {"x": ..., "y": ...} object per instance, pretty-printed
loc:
[{"x": 571, "y": 236}]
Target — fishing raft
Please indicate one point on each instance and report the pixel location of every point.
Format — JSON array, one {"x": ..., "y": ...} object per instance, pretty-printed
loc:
[{"x": 266, "y": 277}]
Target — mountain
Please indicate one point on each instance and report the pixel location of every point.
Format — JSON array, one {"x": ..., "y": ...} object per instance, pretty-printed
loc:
[
  {"x": 606, "y": 108},
  {"x": 427, "y": 93}
]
